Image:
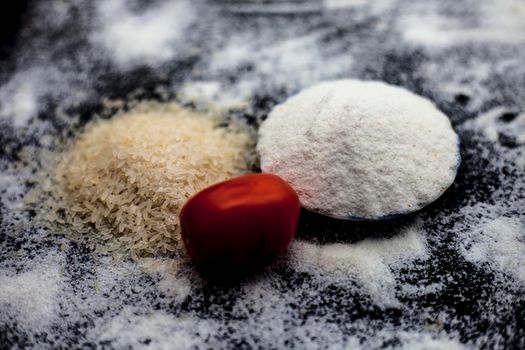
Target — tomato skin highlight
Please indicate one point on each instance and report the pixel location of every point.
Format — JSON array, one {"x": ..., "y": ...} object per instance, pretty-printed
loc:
[{"x": 241, "y": 222}]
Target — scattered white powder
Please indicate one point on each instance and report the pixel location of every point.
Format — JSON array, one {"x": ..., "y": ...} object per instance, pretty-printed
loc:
[
  {"x": 58, "y": 12},
  {"x": 370, "y": 262},
  {"x": 176, "y": 285},
  {"x": 299, "y": 57},
  {"x": 207, "y": 93},
  {"x": 278, "y": 7},
  {"x": 30, "y": 297},
  {"x": 106, "y": 278},
  {"x": 290, "y": 62},
  {"x": 153, "y": 36},
  {"x": 360, "y": 11},
  {"x": 430, "y": 342},
  {"x": 299, "y": 308},
  {"x": 491, "y": 125},
  {"x": 237, "y": 52},
  {"x": 157, "y": 330},
  {"x": 420, "y": 290},
  {"x": 19, "y": 99},
  {"x": 499, "y": 243},
  {"x": 338, "y": 4},
  {"x": 500, "y": 21},
  {"x": 23, "y": 105},
  {"x": 205, "y": 90},
  {"x": 23, "y": 96},
  {"x": 13, "y": 191},
  {"x": 354, "y": 149},
  {"x": 177, "y": 288},
  {"x": 488, "y": 235},
  {"x": 470, "y": 81}
]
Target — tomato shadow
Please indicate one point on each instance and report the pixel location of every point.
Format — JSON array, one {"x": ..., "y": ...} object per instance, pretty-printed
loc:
[{"x": 221, "y": 273}]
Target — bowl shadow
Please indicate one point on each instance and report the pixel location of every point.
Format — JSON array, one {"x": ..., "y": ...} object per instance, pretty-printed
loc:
[{"x": 322, "y": 229}]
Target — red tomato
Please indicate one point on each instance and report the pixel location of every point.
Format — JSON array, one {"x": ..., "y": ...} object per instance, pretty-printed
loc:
[{"x": 241, "y": 222}]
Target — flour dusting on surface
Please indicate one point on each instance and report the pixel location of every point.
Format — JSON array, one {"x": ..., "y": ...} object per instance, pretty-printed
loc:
[
  {"x": 152, "y": 36},
  {"x": 500, "y": 243},
  {"x": 30, "y": 298},
  {"x": 371, "y": 263},
  {"x": 157, "y": 330},
  {"x": 449, "y": 277},
  {"x": 499, "y": 22}
]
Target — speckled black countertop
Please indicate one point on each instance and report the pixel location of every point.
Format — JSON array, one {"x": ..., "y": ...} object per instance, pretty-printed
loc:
[{"x": 465, "y": 291}]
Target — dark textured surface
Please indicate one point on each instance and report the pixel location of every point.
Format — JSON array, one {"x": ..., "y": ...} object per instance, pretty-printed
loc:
[{"x": 477, "y": 305}]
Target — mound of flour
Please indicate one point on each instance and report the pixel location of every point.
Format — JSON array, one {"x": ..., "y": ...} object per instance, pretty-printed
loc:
[{"x": 360, "y": 150}]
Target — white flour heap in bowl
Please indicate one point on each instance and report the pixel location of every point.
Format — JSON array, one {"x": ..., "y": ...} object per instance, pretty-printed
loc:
[{"x": 360, "y": 150}]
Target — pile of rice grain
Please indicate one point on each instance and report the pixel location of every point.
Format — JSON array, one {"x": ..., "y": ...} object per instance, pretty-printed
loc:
[{"x": 124, "y": 180}]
